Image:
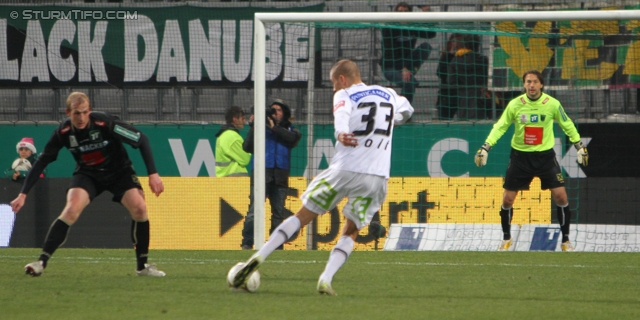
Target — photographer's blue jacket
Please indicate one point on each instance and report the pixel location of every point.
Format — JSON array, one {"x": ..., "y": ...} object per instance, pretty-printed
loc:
[{"x": 278, "y": 144}]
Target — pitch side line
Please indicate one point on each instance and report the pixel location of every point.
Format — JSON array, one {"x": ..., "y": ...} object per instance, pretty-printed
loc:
[{"x": 227, "y": 261}]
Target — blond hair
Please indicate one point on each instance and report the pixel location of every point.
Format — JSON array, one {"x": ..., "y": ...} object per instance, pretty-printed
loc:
[
  {"x": 76, "y": 98},
  {"x": 348, "y": 69}
]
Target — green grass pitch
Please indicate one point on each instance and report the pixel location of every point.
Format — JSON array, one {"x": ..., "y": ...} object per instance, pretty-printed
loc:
[{"x": 101, "y": 284}]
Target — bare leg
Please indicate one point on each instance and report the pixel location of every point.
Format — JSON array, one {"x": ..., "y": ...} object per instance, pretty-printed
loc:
[{"x": 77, "y": 200}]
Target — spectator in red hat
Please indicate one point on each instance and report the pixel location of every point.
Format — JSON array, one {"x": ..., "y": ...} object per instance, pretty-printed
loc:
[{"x": 27, "y": 155}]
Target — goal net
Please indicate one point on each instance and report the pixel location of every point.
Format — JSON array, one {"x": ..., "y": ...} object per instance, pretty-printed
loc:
[{"x": 461, "y": 70}]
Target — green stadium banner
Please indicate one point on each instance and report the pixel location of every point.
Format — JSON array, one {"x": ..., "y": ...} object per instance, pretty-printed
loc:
[
  {"x": 187, "y": 150},
  {"x": 145, "y": 46}
]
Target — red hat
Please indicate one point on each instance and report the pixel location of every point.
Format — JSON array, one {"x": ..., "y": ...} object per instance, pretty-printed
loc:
[{"x": 26, "y": 143}]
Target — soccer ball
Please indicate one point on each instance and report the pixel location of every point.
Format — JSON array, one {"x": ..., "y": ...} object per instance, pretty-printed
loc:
[
  {"x": 21, "y": 165},
  {"x": 252, "y": 283}
]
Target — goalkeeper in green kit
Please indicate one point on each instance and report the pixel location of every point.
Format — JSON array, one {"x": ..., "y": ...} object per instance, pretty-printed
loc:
[{"x": 532, "y": 155}]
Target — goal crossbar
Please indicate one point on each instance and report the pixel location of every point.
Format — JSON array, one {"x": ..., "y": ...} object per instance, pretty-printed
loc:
[{"x": 483, "y": 16}]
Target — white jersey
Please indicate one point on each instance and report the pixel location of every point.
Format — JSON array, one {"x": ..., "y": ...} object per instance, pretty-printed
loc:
[{"x": 370, "y": 113}]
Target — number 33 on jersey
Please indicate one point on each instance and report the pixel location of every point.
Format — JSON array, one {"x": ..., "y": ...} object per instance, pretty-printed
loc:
[{"x": 370, "y": 113}]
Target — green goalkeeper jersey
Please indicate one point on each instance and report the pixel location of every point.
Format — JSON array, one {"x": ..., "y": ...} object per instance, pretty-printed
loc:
[{"x": 533, "y": 123}]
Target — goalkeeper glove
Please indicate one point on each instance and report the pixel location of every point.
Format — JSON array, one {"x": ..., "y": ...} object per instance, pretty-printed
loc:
[
  {"x": 482, "y": 155},
  {"x": 583, "y": 154}
]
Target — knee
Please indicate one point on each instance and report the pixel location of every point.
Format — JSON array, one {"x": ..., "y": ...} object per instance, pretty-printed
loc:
[
  {"x": 508, "y": 201},
  {"x": 139, "y": 212},
  {"x": 561, "y": 200},
  {"x": 560, "y": 196},
  {"x": 70, "y": 217},
  {"x": 71, "y": 212}
]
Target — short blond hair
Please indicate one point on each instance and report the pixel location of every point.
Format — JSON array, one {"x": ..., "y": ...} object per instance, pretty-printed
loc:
[
  {"x": 76, "y": 98},
  {"x": 347, "y": 68}
]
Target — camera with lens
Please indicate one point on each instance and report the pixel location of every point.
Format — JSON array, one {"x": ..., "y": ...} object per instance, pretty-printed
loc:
[{"x": 269, "y": 112}]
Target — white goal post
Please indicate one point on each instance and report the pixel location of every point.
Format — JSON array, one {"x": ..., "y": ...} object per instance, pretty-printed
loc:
[{"x": 259, "y": 65}]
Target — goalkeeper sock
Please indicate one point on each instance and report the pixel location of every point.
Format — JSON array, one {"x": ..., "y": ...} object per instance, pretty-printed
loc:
[
  {"x": 564, "y": 217},
  {"x": 337, "y": 258},
  {"x": 56, "y": 237},
  {"x": 140, "y": 238},
  {"x": 505, "y": 219},
  {"x": 280, "y": 235}
]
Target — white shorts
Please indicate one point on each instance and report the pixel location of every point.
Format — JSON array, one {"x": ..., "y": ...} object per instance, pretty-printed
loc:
[{"x": 365, "y": 193}]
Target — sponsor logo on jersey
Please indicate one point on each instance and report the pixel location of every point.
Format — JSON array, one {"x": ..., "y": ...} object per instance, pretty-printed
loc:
[
  {"x": 338, "y": 105},
  {"x": 534, "y": 118},
  {"x": 99, "y": 123},
  {"x": 545, "y": 100},
  {"x": 523, "y": 118},
  {"x": 135, "y": 136},
  {"x": 93, "y": 146},
  {"x": 65, "y": 129},
  {"x": 93, "y": 158},
  {"x": 376, "y": 92},
  {"x": 523, "y": 100},
  {"x": 72, "y": 141},
  {"x": 533, "y": 135}
]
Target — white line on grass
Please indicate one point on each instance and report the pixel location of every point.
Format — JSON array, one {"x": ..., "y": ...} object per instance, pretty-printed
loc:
[{"x": 226, "y": 261}]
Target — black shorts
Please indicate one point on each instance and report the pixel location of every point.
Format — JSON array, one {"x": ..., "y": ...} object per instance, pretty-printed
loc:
[
  {"x": 524, "y": 166},
  {"x": 117, "y": 184}
]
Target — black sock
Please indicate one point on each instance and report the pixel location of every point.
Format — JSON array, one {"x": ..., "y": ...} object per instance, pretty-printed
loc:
[
  {"x": 140, "y": 237},
  {"x": 564, "y": 219},
  {"x": 55, "y": 238},
  {"x": 505, "y": 219}
]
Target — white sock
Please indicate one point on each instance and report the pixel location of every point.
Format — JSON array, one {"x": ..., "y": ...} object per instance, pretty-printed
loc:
[
  {"x": 337, "y": 258},
  {"x": 282, "y": 233}
]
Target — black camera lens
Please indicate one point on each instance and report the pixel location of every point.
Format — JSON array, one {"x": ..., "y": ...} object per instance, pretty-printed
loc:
[{"x": 270, "y": 111}]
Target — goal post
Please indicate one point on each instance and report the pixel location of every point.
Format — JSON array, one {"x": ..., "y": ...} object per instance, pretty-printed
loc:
[{"x": 314, "y": 19}]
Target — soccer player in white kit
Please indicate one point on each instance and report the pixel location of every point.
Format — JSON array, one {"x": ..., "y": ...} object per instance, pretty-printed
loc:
[{"x": 364, "y": 118}]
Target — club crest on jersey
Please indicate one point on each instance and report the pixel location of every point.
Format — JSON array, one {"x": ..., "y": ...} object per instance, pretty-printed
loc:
[
  {"x": 65, "y": 129},
  {"x": 545, "y": 100},
  {"x": 523, "y": 100},
  {"x": 72, "y": 141},
  {"x": 543, "y": 117},
  {"x": 361, "y": 205},
  {"x": 323, "y": 194},
  {"x": 534, "y": 118},
  {"x": 94, "y": 135},
  {"x": 523, "y": 118},
  {"x": 338, "y": 105}
]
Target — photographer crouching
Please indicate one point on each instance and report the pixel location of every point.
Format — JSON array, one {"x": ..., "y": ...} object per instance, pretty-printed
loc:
[{"x": 281, "y": 136}]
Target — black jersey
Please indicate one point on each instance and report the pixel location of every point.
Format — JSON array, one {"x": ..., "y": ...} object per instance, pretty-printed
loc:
[{"x": 98, "y": 149}]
